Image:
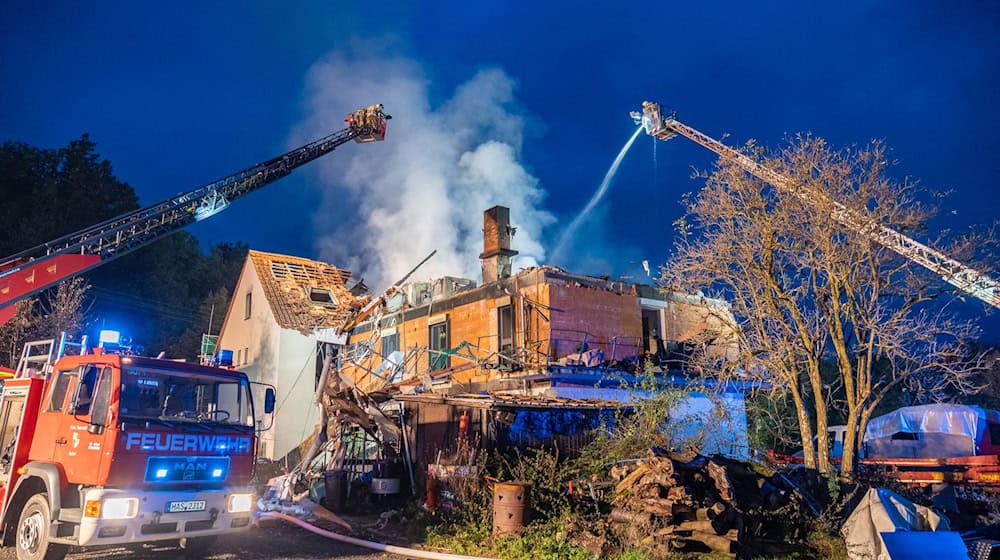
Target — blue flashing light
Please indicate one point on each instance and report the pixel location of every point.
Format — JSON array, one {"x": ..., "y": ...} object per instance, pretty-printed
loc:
[
  {"x": 109, "y": 337},
  {"x": 183, "y": 469},
  {"x": 225, "y": 357}
]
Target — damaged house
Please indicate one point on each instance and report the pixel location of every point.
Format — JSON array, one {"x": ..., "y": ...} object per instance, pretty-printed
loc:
[
  {"x": 283, "y": 309},
  {"x": 533, "y": 355},
  {"x": 520, "y": 358}
]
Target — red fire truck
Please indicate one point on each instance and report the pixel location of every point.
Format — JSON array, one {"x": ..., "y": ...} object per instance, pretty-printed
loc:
[
  {"x": 103, "y": 448},
  {"x": 108, "y": 448}
]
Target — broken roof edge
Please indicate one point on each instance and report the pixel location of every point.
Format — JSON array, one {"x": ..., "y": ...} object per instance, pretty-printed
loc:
[
  {"x": 524, "y": 278},
  {"x": 287, "y": 283},
  {"x": 500, "y": 400},
  {"x": 346, "y": 274}
]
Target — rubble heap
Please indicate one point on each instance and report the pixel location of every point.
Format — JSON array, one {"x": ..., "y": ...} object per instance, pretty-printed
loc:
[{"x": 672, "y": 502}]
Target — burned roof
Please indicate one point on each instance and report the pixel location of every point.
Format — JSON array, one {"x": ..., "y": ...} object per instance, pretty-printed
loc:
[{"x": 304, "y": 294}]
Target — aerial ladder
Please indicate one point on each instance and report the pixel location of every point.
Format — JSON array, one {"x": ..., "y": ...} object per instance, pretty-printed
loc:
[
  {"x": 966, "y": 279},
  {"x": 34, "y": 270}
]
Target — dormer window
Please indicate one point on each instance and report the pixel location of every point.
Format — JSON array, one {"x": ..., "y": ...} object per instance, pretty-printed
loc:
[{"x": 322, "y": 296}]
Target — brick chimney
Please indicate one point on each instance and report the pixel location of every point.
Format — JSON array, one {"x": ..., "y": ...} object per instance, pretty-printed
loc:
[{"x": 497, "y": 253}]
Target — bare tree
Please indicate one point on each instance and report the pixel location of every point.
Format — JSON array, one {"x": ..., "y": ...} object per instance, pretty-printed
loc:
[
  {"x": 62, "y": 309},
  {"x": 14, "y": 332},
  {"x": 804, "y": 289}
]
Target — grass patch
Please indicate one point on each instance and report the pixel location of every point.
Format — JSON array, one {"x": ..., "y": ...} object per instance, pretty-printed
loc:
[{"x": 543, "y": 541}]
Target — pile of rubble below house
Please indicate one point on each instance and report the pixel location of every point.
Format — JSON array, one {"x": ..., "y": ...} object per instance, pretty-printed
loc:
[{"x": 670, "y": 503}]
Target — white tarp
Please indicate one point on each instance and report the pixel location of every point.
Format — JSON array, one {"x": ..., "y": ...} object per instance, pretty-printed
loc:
[
  {"x": 933, "y": 430},
  {"x": 883, "y": 511}
]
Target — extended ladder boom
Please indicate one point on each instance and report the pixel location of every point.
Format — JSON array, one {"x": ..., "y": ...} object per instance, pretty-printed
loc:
[
  {"x": 955, "y": 273},
  {"x": 38, "y": 268}
]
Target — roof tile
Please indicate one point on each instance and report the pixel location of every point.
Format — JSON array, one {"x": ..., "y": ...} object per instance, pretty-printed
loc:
[{"x": 288, "y": 282}]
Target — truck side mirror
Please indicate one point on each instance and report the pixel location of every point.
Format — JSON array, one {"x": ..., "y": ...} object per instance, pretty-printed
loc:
[
  {"x": 269, "y": 400},
  {"x": 99, "y": 408}
]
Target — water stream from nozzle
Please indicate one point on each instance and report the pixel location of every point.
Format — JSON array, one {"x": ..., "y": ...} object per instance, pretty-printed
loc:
[
  {"x": 568, "y": 233},
  {"x": 656, "y": 170}
]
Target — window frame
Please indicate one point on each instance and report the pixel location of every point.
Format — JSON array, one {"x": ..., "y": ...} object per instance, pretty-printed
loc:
[
  {"x": 69, "y": 375},
  {"x": 75, "y": 399},
  {"x": 508, "y": 344},
  {"x": 382, "y": 344},
  {"x": 330, "y": 302},
  {"x": 444, "y": 361}
]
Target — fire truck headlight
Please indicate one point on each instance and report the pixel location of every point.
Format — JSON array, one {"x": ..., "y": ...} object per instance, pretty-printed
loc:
[
  {"x": 119, "y": 508},
  {"x": 240, "y": 503}
]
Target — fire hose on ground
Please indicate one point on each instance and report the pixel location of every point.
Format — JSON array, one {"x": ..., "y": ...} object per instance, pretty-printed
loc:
[{"x": 391, "y": 549}]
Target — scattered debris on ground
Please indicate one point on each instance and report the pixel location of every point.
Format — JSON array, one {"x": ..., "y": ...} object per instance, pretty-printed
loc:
[{"x": 673, "y": 502}]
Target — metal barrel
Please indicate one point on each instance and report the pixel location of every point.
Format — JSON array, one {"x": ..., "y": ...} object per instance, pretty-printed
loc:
[
  {"x": 336, "y": 490},
  {"x": 385, "y": 478},
  {"x": 510, "y": 507}
]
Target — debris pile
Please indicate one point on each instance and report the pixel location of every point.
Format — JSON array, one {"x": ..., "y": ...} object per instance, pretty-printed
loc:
[{"x": 684, "y": 502}]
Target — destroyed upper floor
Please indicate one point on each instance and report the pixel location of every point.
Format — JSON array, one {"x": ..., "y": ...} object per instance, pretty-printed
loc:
[{"x": 529, "y": 320}]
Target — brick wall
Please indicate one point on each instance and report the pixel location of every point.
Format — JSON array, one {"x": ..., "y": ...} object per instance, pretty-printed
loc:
[
  {"x": 566, "y": 314},
  {"x": 601, "y": 315}
]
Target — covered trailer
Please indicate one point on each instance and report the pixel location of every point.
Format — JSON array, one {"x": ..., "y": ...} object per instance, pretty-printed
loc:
[
  {"x": 934, "y": 431},
  {"x": 935, "y": 443}
]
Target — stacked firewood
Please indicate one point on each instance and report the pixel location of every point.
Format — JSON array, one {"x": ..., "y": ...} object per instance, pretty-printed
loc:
[{"x": 671, "y": 503}]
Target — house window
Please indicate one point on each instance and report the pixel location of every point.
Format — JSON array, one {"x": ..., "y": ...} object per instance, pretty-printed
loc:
[
  {"x": 438, "y": 344},
  {"x": 246, "y": 356},
  {"x": 357, "y": 351},
  {"x": 505, "y": 331},
  {"x": 248, "y": 306},
  {"x": 390, "y": 344},
  {"x": 322, "y": 296}
]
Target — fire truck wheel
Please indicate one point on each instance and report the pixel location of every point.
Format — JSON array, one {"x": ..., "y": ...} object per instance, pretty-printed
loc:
[
  {"x": 33, "y": 532},
  {"x": 197, "y": 547}
]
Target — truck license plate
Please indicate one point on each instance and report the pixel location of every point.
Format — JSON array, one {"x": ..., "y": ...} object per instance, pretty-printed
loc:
[{"x": 190, "y": 505}]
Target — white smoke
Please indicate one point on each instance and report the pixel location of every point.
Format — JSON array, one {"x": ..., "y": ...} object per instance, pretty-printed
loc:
[{"x": 386, "y": 205}]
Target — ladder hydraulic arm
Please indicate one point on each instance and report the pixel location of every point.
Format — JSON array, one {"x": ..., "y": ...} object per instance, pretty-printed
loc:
[
  {"x": 955, "y": 273},
  {"x": 38, "y": 268}
]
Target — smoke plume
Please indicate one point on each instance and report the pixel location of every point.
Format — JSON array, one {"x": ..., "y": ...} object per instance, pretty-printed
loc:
[{"x": 386, "y": 205}]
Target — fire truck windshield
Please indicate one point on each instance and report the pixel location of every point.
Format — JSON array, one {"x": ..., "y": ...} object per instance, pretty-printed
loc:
[{"x": 162, "y": 394}]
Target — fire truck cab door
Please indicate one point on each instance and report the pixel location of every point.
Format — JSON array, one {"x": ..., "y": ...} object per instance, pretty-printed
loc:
[
  {"x": 77, "y": 449},
  {"x": 49, "y": 429}
]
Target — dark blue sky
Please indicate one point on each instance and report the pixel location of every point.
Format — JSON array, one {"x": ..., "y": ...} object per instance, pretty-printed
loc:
[{"x": 177, "y": 94}]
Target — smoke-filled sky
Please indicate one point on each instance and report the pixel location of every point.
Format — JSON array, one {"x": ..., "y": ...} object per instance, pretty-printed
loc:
[
  {"x": 518, "y": 104},
  {"x": 383, "y": 209}
]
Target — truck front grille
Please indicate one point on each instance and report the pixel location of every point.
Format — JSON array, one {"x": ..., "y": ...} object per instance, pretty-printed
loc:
[
  {"x": 203, "y": 525},
  {"x": 158, "y": 528}
]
